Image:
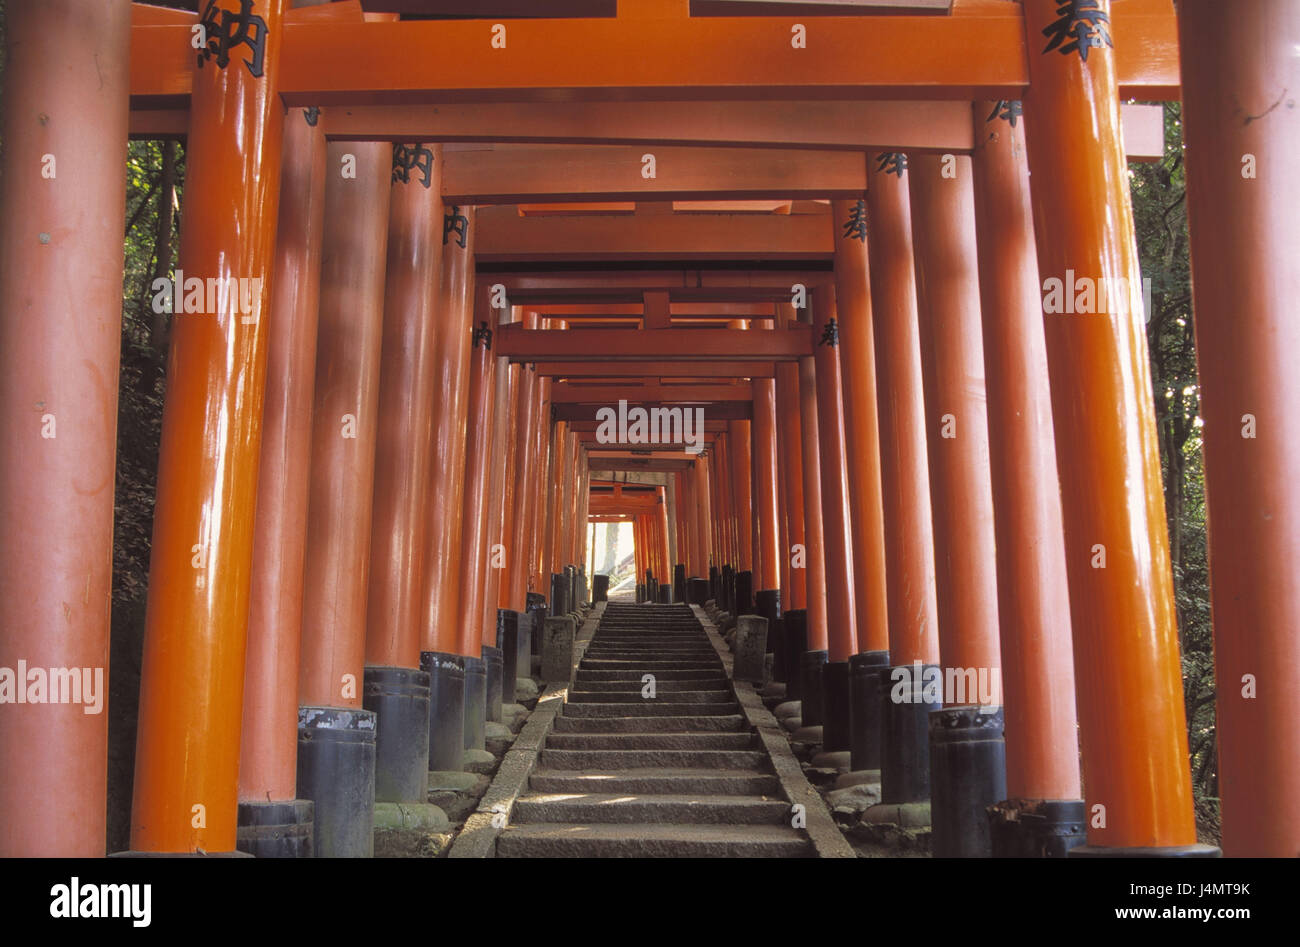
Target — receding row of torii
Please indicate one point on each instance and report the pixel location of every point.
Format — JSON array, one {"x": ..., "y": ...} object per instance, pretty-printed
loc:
[{"x": 974, "y": 483}]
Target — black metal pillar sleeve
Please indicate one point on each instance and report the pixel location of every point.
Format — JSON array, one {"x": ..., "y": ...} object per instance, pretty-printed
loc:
[
  {"x": 835, "y": 707},
  {"x": 968, "y": 773},
  {"x": 697, "y": 591},
  {"x": 811, "y": 664},
  {"x": 336, "y": 771},
  {"x": 679, "y": 583},
  {"x": 794, "y": 635},
  {"x": 559, "y": 590},
  {"x": 715, "y": 580},
  {"x": 744, "y": 592},
  {"x": 600, "y": 587},
  {"x": 538, "y": 609},
  {"x": 905, "y": 729},
  {"x": 640, "y": 593},
  {"x": 399, "y": 699},
  {"x": 509, "y": 623},
  {"x": 275, "y": 829},
  {"x": 446, "y": 709},
  {"x": 665, "y": 594},
  {"x": 493, "y": 665},
  {"x": 865, "y": 709},
  {"x": 523, "y": 651},
  {"x": 1037, "y": 828},
  {"x": 475, "y": 703}
]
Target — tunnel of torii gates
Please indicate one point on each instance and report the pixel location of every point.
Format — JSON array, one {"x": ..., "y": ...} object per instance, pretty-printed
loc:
[{"x": 472, "y": 235}]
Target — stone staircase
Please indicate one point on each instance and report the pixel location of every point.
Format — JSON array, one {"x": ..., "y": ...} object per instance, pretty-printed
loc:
[{"x": 677, "y": 775}]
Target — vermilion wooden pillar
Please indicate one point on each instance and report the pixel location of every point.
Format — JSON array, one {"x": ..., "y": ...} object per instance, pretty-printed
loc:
[
  {"x": 541, "y": 490},
  {"x": 479, "y": 439},
  {"x": 841, "y": 608},
  {"x": 790, "y": 446},
  {"x": 406, "y": 385},
  {"x": 268, "y": 748},
  {"x": 1241, "y": 140},
  {"x": 1033, "y": 595},
  {"x": 952, "y": 365},
  {"x": 704, "y": 513},
  {"x": 518, "y": 546},
  {"x": 904, "y": 474},
  {"x": 739, "y": 455},
  {"x": 192, "y": 674},
  {"x": 857, "y": 350},
  {"x": 501, "y": 492},
  {"x": 767, "y": 549},
  {"x": 665, "y": 573},
  {"x": 1116, "y": 547},
  {"x": 453, "y": 324},
  {"x": 344, "y": 424},
  {"x": 65, "y": 111},
  {"x": 814, "y": 534}
]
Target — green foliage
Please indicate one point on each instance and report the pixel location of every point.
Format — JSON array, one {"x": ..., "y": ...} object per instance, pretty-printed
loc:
[{"x": 1160, "y": 213}]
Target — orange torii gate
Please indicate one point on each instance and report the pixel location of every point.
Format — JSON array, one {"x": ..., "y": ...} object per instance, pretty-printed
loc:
[{"x": 909, "y": 82}]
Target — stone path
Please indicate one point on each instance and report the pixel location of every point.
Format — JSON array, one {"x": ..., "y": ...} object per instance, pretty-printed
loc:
[{"x": 681, "y": 773}]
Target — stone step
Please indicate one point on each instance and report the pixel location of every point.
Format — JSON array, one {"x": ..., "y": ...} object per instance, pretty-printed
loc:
[
  {"x": 648, "y": 840},
  {"x": 669, "y": 674},
  {"x": 650, "y": 741},
  {"x": 631, "y": 696},
  {"x": 604, "y": 807},
  {"x": 633, "y": 685},
  {"x": 652, "y": 759},
  {"x": 613, "y": 664},
  {"x": 648, "y": 708},
  {"x": 681, "y": 781},
  {"x": 722, "y": 723}
]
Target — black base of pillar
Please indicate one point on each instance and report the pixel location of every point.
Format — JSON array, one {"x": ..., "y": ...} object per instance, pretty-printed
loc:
[
  {"x": 1037, "y": 828},
  {"x": 475, "y": 703},
  {"x": 697, "y": 591},
  {"x": 538, "y": 610},
  {"x": 336, "y": 771},
  {"x": 835, "y": 707},
  {"x": 494, "y": 665},
  {"x": 600, "y": 588},
  {"x": 640, "y": 593},
  {"x": 905, "y": 734},
  {"x": 768, "y": 604},
  {"x": 446, "y": 709},
  {"x": 399, "y": 699},
  {"x": 811, "y": 692},
  {"x": 968, "y": 773},
  {"x": 715, "y": 583},
  {"x": 559, "y": 604},
  {"x": 794, "y": 641},
  {"x": 864, "y": 709},
  {"x": 665, "y": 595},
  {"x": 508, "y": 625},
  {"x": 679, "y": 583},
  {"x": 275, "y": 829},
  {"x": 726, "y": 595},
  {"x": 1165, "y": 851},
  {"x": 744, "y": 593}
]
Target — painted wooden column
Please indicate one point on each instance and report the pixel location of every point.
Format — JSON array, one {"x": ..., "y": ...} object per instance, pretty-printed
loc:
[
  {"x": 453, "y": 325},
  {"x": 1116, "y": 546},
  {"x": 518, "y": 547},
  {"x": 1041, "y": 733},
  {"x": 542, "y": 489},
  {"x": 857, "y": 351},
  {"x": 480, "y": 434},
  {"x": 841, "y": 607},
  {"x": 63, "y": 196},
  {"x": 192, "y": 672},
  {"x": 740, "y": 456},
  {"x": 767, "y": 547},
  {"x": 904, "y": 482},
  {"x": 269, "y": 740},
  {"x": 790, "y": 446},
  {"x": 1240, "y": 73},
  {"x": 967, "y": 758},
  {"x": 814, "y": 535}
]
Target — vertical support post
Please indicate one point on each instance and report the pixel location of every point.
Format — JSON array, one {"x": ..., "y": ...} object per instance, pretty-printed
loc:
[
  {"x": 1116, "y": 545},
  {"x": 187, "y": 747},
  {"x": 269, "y": 744},
  {"x": 905, "y": 486},
  {"x": 767, "y": 552},
  {"x": 790, "y": 459},
  {"x": 67, "y": 82},
  {"x": 336, "y": 749},
  {"x": 479, "y": 436},
  {"x": 1042, "y": 755},
  {"x": 1241, "y": 198},
  {"x": 967, "y": 753}
]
